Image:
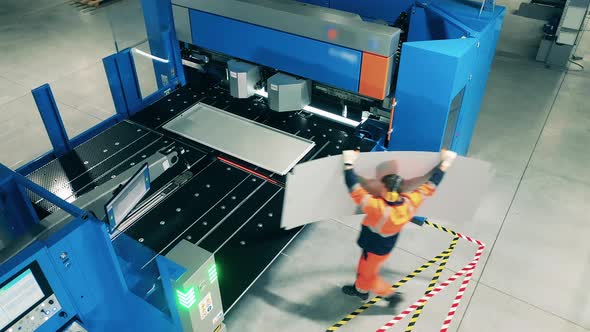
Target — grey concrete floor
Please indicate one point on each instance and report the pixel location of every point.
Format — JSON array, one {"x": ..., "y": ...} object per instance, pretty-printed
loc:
[
  {"x": 60, "y": 43},
  {"x": 534, "y": 127}
]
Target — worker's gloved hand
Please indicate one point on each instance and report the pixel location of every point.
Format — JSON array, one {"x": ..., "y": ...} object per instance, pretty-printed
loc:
[
  {"x": 447, "y": 157},
  {"x": 349, "y": 157}
]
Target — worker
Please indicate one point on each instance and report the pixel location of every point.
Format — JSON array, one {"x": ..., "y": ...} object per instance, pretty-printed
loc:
[{"x": 386, "y": 215}]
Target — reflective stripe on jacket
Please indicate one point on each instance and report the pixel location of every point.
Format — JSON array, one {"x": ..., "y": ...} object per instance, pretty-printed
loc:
[{"x": 387, "y": 218}]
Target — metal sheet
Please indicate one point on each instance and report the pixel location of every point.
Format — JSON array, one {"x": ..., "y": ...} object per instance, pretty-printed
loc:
[
  {"x": 247, "y": 140},
  {"x": 316, "y": 191}
]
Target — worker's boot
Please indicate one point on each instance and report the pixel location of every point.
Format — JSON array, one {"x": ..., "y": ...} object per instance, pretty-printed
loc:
[
  {"x": 351, "y": 290},
  {"x": 394, "y": 299}
]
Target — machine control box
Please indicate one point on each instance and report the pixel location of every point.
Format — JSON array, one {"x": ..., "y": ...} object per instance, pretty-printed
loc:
[
  {"x": 37, "y": 316},
  {"x": 197, "y": 291},
  {"x": 288, "y": 93}
]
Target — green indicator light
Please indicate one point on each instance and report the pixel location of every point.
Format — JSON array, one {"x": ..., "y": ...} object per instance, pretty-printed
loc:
[
  {"x": 212, "y": 273},
  {"x": 187, "y": 299}
]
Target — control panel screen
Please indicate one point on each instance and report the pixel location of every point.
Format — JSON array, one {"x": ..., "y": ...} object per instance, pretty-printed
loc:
[
  {"x": 132, "y": 192},
  {"x": 21, "y": 293}
]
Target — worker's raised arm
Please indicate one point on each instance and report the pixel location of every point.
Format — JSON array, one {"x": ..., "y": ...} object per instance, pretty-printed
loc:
[
  {"x": 360, "y": 195},
  {"x": 355, "y": 189},
  {"x": 414, "y": 199}
]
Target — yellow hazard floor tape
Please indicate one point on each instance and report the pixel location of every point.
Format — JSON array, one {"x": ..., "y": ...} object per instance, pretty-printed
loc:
[
  {"x": 432, "y": 284},
  {"x": 443, "y": 255}
]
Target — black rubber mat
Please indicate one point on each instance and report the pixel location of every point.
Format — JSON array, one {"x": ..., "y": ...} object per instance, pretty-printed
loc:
[
  {"x": 218, "y": 217},
  {"x": 241, "y": 215},
  {"x": 168, "y": 221},
  {"x": 251, "y": 250},
  {"x": 89, "y": 161}
]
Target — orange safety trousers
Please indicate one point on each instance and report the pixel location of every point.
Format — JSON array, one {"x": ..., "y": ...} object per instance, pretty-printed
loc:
[{"x": 368, "y": 278}]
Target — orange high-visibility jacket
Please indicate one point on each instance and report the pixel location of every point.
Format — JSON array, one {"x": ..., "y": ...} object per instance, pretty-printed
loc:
[{"x": 388, "y": 218}]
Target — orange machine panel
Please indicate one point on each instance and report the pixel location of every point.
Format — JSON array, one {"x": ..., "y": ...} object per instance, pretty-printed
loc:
[{"x": 375, "y": 75}]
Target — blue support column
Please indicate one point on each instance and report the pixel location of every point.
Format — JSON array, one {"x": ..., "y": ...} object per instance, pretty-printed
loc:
[
  {"x": 115, "y": 85},
  {"x": 52, "y": 119},
  {"x": 123, "y": 82}
]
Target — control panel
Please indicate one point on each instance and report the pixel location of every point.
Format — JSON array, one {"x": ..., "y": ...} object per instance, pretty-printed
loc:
[
  {"x": 27, "y": 301},
  {"x": 37, "y": 316}
]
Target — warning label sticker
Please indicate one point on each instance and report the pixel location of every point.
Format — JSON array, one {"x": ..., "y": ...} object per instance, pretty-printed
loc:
[{"x": 206, "y": 306}]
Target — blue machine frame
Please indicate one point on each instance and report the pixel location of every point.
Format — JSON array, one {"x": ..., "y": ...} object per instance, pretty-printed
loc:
[
  {"x": 335, "y": 65},
  {"x": 99, "y": 292},
  {"x": 446, "y": 59},
  {"x": 449, "y": 53},
  {"x": 95, "y": 291},
  {"x": 450, "y": 48}
]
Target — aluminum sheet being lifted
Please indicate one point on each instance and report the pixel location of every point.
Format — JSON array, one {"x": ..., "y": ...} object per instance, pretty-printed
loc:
[
  {"x": 255, "y": 143},
  {"x": 316, "y": 190}
]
